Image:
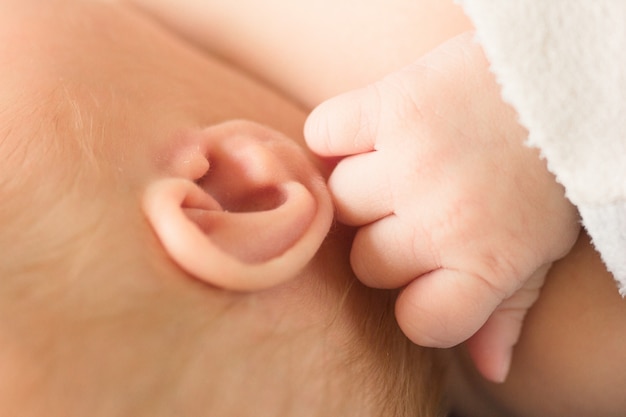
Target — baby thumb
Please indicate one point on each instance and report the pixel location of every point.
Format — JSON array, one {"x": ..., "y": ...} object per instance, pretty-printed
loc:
[
  {"x": 491, "y": 348},
  {"x": 345, "y": 124}
]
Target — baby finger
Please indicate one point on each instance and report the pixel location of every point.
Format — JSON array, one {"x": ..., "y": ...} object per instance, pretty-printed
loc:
[
  {"x": 384, "y": 254},
  {"x": 361, "y": 195}
]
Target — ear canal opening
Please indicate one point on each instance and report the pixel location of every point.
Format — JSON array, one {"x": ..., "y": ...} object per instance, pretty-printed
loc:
[
  {"x": 257, "y": 234},
  {"x": 245, "y": 172},
  {"x": 262, "y": 198},
  {"x": 243, "y": 251}
]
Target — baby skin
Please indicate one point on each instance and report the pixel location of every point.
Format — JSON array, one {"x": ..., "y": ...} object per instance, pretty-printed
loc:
[
  {"x": 451, "y": 205},
  {"x": 124, "y": 152}
]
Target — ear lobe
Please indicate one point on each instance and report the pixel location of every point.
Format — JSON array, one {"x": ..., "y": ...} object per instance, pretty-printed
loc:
[{"x": 252, "y": 220}]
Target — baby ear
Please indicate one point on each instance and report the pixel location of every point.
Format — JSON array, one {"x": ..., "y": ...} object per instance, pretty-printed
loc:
[{"x": 240, "y": 207}]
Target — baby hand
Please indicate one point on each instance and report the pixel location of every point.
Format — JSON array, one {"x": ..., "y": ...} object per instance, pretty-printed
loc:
[{"x": 450, "y": 202}]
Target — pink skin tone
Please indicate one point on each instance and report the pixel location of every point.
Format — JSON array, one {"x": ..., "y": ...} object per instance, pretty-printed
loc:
[
  {"x": 451, "y": 204},
  {"x": 204, "y": 215},
  {"x": 569, "y": 358},
  {"x": 109, "y": 298}
]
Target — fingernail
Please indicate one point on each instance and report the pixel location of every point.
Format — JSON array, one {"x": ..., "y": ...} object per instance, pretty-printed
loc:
[{"x": 502, "y": 371}]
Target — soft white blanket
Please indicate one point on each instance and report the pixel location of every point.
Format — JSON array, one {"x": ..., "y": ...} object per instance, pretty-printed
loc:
[{"x": 562, "y": 65}]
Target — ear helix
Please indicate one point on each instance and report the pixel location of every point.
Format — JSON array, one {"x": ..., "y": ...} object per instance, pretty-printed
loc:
[{"x": 251, "y": 218}]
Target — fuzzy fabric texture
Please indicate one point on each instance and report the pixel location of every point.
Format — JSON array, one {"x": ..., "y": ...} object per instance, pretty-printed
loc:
[{"x": 562, "y": 65}]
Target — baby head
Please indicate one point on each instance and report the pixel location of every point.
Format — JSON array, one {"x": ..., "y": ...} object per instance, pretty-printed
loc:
[{"x": 166, "y": 246}]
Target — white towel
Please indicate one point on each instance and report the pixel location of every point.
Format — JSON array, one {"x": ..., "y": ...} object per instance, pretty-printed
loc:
[{"x": 562, "y": 65}]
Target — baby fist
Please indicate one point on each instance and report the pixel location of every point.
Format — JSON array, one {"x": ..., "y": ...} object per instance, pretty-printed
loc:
[{"x": 451, "y": 204}]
